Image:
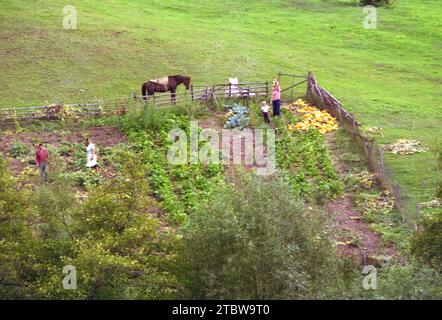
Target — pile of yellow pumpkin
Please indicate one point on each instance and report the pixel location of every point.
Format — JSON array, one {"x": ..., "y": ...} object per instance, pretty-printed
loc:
[{"x": 313, "y": 118}]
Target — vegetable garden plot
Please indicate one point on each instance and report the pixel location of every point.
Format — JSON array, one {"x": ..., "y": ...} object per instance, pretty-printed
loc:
[
  {"x": 66, "y": 147},
  {"x": 236, "y": 117},
  {"x": 304, "y": 159}
]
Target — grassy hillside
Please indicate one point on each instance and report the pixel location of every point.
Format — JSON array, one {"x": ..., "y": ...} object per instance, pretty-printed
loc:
[{"x": 389, "y": 77}]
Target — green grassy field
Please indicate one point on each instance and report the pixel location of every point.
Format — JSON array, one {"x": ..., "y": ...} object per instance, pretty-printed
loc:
[{"x": 389, "y": 77}]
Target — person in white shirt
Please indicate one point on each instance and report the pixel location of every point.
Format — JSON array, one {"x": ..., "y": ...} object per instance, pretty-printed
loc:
[
  {"x": 91, "y": 155},
  {"x": 265, "y": 111}
]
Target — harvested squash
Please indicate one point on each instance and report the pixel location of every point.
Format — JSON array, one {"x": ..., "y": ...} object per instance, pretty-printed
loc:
[{"x": 312, "y": 117}]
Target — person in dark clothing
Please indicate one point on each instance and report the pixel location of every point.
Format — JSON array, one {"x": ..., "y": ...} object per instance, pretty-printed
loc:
[{"x": 265, "y": 111}]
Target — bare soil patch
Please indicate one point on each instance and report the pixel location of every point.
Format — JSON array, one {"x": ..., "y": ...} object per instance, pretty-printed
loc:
[
  {"x": 103, "y": 137},
  {"x": 238, "y": 147}
]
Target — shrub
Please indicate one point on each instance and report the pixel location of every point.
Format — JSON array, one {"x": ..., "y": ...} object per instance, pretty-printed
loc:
[
  {"x": 119, "y": 248},
  {"x": 57, "y": 163},
  {"x": 18, "y": 149},
  {"x": 255, "y": 240},
  {"x": 427, "y": 244},
  {"x": 412, "y": 281},
  {"x": 83, "y": 179},
  {"x": 439, "y": 172},
  {"x": 377, "y": 3}
]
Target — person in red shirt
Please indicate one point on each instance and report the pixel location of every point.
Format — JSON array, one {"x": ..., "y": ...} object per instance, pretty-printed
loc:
[{"x": 41, "y": 158}]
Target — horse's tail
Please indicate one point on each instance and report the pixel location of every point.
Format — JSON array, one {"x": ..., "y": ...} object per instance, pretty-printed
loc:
[{"x": 144, "y": 91}]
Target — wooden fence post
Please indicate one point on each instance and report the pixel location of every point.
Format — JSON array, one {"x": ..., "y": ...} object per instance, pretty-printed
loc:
[
  {"x": 100, "y": 108},
  {"x": 48, "y": 116},
  {"x": 367, "y": 151},
  {"x": 309, "y": 86},
  {"x": 340, "y": 114},
  {"x": 354, "y": 127},
  {"x": 191, "y": 90},
  {"x": 213, "y": 96},
  {"x": 382, "y": 166},
  {"x": 417, "y": 217},
  {"x": 292, "y": 90},
  {"x": 398, "y": 200}
]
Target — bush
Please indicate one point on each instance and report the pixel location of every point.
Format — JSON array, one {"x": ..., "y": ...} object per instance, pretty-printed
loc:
[
  {"x": 439, "y": 172},
  {"x": 118, "y": 246},
  {"x": 19, "y": 149},
  {"x": 83, "y": 179},
  {"x": 377, "y": 3},
  {"x": 427, "y": 244},
  {"x": 255, "y": 240},
  {"x": 412, "y": 281},
  {"x": 57, "y": 162}
]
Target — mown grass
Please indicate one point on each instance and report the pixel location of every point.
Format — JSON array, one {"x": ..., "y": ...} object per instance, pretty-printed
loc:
[{"x": 389, "y": 77}]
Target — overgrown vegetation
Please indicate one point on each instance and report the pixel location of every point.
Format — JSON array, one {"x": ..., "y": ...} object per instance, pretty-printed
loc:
[
  {"x": 163, "y": 231},
  {"x": 252, "y": 239},
  {"x": 113, "y": 238},
  {"x": 427, "y": 242},
  {"x": 18, "y": 149},
  {"x": 377, "y": 3}
]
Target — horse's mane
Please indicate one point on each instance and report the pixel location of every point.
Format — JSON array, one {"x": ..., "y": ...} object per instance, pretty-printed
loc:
[{"x": 179, "y": 76}]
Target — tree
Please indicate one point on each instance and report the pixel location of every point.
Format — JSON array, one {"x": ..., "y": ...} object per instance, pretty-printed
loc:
[
  {"x": 255, "y": 240},
  {"x": 376, "y": 3},
  {"x": 118, "y": 246},
  {"x": 427, "y": 243}
]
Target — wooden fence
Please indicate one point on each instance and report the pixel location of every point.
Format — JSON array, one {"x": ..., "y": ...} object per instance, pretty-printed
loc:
[
  {"x": 60, "y": 111},
  {"x": 294, "y": 80},
  {"x": 373, "y": 152},
  {"x": 206, "y": 94},
  {"x": 211, "y": 94}
]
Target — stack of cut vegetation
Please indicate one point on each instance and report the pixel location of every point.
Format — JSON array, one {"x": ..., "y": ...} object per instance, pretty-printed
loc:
[
  {"x": 436, "y": 203},
  {"x": 378, "y": 203},
  {"x": 405, "y": 147}
]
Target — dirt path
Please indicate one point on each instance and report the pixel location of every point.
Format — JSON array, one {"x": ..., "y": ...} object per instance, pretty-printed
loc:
[
  {"x": 238, "y": 147},
  {"x": 355, "y": 236}
]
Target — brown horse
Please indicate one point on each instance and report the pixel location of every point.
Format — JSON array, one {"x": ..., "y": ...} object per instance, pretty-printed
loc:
[{"x": 164, "y": 84}]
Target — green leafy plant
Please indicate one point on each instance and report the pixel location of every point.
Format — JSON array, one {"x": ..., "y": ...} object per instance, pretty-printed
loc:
[
  {"x": 239, "y": 244},
  {"x": 18, "y": 149},
  {"x": 377, "y": 3},
  {"x": 112, "y": 236},
  {"x": 84, "y": 179},
  {"x": 427, "y": 242},
  {"x": 308, "y": 165}
]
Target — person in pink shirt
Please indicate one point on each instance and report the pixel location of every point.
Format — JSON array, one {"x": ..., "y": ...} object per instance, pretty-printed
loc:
[{"x": 276, "y": 98}]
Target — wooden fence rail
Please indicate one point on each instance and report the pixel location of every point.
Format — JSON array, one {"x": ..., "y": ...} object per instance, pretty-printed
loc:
[
  {"x": 57, "y": 111},
  {"x": 212, "y": 93},
  {"x": 201, "y": 93}
]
